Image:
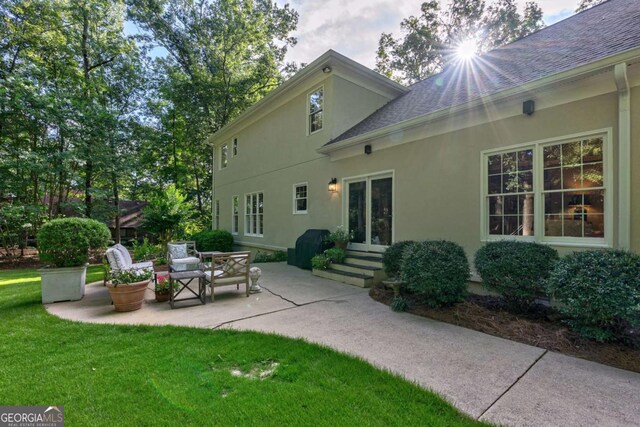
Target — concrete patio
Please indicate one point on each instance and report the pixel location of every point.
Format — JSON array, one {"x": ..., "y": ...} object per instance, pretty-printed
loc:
[{"x": 490, "y": 378}]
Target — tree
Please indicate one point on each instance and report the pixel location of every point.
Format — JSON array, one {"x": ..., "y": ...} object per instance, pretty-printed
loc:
[
  {"x": 586, "y": 4},
  {"x": 168, "y": 215},
  {"x": 429, "y": 39}
]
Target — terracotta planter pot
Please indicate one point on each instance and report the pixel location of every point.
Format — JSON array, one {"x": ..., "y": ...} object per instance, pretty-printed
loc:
[
  {"x": 341, "y": 245},
  {"x": 162, "y": 296},
  {"x": 128, "y": 297}
]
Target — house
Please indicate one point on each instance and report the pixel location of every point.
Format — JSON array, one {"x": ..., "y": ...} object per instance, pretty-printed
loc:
[{"x": 538, "y": 140}]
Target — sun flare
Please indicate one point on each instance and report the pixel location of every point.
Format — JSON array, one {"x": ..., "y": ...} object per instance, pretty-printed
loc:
[{"x": 467, "y": 49}]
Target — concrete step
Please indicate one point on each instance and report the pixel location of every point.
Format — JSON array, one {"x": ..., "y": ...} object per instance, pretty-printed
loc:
[
  {"x": 366, "y": 270},
  {"x": 345, "y": 277},
  {"x": 363, "y": 260},
  {"x": 354, "y": 253}
]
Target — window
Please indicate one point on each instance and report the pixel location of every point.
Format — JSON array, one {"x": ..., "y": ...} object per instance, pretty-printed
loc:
[
  {"x": 234, "y": 147},
  {"x": 254, "y": 210},
  {"x": 574, "y": 189},
  {"x": 300, "y": 198},
  {"x": 549, "y": 191},
  {"x": 510, "y": 185},
  {"x": 217, "y": 215},
  {"x": 224, "y": 151},
  {"x": 316, "y": 103},
  {"x": 235, "y": 214}
]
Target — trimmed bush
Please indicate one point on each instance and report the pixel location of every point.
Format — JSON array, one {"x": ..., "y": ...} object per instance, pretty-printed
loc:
[
  {"x": 598, "y": 290},
  {"x": 277, "y": 256},
  {"x": 336, "y": 255},
  {"x": 437, "y": 271},
  {"x": 517, "y": 270},
  {"x": 213, "y": 240},
  {"x": 66, "y": 242},
  {"x": 392, "y": 257}
]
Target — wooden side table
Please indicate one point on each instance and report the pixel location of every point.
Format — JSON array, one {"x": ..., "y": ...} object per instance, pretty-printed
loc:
[{"x": 183, "y": 279}]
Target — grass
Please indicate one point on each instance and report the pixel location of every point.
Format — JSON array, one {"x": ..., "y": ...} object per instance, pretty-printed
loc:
[{"x": 144, "y": 375}]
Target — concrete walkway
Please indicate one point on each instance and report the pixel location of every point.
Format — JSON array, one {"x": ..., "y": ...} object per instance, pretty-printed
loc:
[{"x": 490, "y": 378}]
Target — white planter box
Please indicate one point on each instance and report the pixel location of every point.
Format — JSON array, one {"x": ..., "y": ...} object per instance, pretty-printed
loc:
[{"x": 63, "y": 284}]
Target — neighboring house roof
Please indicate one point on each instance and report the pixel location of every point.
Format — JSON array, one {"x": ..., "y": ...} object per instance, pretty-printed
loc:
[
  {"x": 602, "y": 31},
  {"x": 131, "y": 214}
]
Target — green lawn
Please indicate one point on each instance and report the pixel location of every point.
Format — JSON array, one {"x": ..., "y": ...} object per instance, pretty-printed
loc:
[{"x": 142, "y": 375}]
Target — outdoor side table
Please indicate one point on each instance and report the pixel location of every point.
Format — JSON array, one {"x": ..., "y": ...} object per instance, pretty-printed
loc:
[{"x": 183, "y": 279}]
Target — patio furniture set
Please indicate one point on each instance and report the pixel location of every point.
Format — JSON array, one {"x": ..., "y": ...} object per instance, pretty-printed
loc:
[{"x": 186, "y": 265}]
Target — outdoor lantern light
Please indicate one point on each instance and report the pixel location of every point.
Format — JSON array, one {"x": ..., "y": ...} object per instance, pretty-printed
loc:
[
  {"x": 326, "y": 69},
  {"x": 333, "y": 185}
]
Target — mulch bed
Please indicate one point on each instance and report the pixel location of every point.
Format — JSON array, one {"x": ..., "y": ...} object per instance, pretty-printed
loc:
[
  {"x": 488, "y": 314},
  {"x": 29, "y": 259}
]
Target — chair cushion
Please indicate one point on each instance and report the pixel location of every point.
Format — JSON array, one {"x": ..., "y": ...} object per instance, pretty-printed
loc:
[
  {"x": 125, "y": 253},
  {"x": 187, "y": 260},
  {"x": 116, "y": 260},
  {"x": 216, "y": 273},
  {"x": 142, "y": 265},
  {"x": 178, "y": 251}
]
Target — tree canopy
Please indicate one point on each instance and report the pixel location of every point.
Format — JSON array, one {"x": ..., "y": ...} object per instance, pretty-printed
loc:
[{"x": 429, "y": 40}]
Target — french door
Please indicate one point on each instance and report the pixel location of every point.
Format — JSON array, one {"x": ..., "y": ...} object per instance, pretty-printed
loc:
[{"x": 369, "y": 211}]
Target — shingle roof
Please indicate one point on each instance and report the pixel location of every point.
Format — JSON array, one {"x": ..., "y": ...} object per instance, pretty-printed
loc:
[{"x": 604, "y": 30}]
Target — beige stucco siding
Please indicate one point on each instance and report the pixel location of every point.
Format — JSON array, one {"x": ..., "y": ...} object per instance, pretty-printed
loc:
[{"x": 635, "y": 169}]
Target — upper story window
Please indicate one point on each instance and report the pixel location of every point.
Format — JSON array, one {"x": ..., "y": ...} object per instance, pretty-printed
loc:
[
  {"x": 555, "y": 192},
  {"x": 316, "y": 109},
  {"x": 224, "y": 156},
  {"x": 300, "y": 198},
  {"x": 234, "y": 147},
  {"x": 217, "y": 215}
]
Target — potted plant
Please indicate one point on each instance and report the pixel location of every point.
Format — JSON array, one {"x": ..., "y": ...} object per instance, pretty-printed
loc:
[
  {"x": 163, "y": 289},
  {"x": 127, "y": 288},
  {"x": 64, "y": 245},
  {"x": 340, "y": 237}
]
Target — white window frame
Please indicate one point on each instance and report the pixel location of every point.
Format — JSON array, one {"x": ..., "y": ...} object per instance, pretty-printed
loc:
[
  {"x": 295, "y": 199},
  {"x": 308, "y": 100},
  {"x": 235, "y": 214},
  {"x": 234, "y": 147},
  {"x": 538, "y": 191},
  {"x": 224, "y": 158},
  {"x": 249, "y": 213},
  {"x": 217, "y": 214}
]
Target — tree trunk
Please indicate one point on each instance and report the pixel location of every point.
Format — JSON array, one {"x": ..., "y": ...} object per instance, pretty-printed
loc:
[
  {"x": 116, "y": 204},
  {"x": 86, "y": 68}
]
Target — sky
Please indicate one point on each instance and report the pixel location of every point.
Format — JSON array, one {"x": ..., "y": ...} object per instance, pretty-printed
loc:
[{"x": 353, "y": 27}]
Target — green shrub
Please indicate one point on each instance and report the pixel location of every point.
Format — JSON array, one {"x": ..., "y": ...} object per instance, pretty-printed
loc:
[
  {"x": 213, "y": 240},
  {"x": 517, "y": 270},
  {"x": 392, "y": 257},
  {"x": 336, "y": 255},
  {"x": 66, "y": 242},
  {"x": 277, "y": 256},
  {"x": 145, "y": 251},
  {"x": 436, "y": 270},
  {"x": 320, "y": 262},
  {"x": 598, "y": 289},
  {"x": 399, "y": 304}
]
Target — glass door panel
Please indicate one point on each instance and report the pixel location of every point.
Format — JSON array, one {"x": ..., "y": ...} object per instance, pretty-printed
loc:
[
  {"x": 357, "y": 211},
  {"x": 381, "y": 211}
]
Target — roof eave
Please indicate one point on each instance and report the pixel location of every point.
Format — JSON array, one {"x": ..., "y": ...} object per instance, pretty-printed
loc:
[{"x": 593, "y": 67}]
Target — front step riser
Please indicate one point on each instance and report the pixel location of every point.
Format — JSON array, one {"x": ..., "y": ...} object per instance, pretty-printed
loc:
[
  {"x": 377, "y": 275},
  {"x": 367, "y": 254},
  {"x": 355, "y": 281},
  {"x": 366, "y": 262}
]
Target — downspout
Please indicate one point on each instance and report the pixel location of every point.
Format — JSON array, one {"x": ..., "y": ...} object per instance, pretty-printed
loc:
[
  {"x": 213, "y": 188},
  {"x": 624, "y": 156}
]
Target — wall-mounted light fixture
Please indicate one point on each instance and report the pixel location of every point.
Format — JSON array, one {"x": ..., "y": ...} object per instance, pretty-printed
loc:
[
  {"x": 333, "y": 185},
  {"x": 326, "y": 69},
  {"x": 367, "y": 149},
  {"x": 528, "y": 107}
]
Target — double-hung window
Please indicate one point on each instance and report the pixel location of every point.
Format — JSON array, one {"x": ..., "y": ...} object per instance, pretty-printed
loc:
[
  {"x": 217, "y": 215},
  {"x": 235, "y": 214},
  {"x": 316, "y": 110},
  {"x": 234, "y": 147},
  {"x": 254, "y": 215},
  {"x": 551, "y": 191},
  {"x": 224, "y": 156},
  {"x": 300, "y": 198}
]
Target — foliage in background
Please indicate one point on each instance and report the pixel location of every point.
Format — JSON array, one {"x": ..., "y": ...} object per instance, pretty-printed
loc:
[
  {"x": 277, "y": 256},
  {"x": 17, "y": 221},
  {"x": 586, "y": 4},
  {"x": 168, "y": 216},
  {"x": 599, "y": 290},
  {"x": 516, "y": 270},
  {"x": 66, "y": 242},
  {"x": 146, "y": 250},
  {"x": 430, "y": 39},
  {"x": 335, "y": 255},
  {"x": 437, "y": 271},
  {"x": 393, "y": 256},
  {"x": 213, "y": 240}
]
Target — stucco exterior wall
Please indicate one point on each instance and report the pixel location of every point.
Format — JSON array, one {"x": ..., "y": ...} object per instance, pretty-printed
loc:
[{"x": 635, "y": 169}]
